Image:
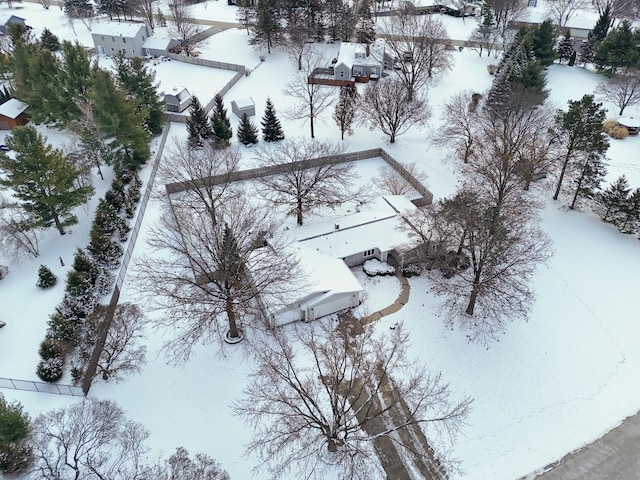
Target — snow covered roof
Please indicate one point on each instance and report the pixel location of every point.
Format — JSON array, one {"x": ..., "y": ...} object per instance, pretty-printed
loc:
[
  {"x": 12, "y": 108},
  {"x": 375, "y": 227},
  {"x": 347, "y": 53},
  {"x": 539, "y": 13},
  {"x": 629, "y": 122},
  {"x": 6, "y": 18},
  {"x": 157, "y": 43},
  {"x": 118, "y": 29},
  {"x": 326, "y": 274},
  {"x": 244, "y": 102},
  {"x": 178, "y": 93}
]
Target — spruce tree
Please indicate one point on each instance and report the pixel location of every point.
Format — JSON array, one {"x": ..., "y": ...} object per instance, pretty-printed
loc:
[
  {"x": 43, "y": 179},
  {"x": 271, "y": 128},
  {"x": 15, "y": 430},
  {"x": 602, "y": 26},
  {"x": 630, "y": 222},
  {"x": 221, "y": 131},
  {"x": 591, "y": 172},
  {"x": 197, "y": 124},
  {"x": 543, "y": 38},
  {"x": 345, "y": 111},
  {"x": 247, "y": 131},
  {"x": 49, "y": 41},
  {"x": 46, "y": 278},
  {"x": 618, "y": 50},
  {"x": 587, "y": 52},
  {"x": 365, "y": 26},
  {"x": 612, "y": 202},
  {"x": 565, "y": 48}
]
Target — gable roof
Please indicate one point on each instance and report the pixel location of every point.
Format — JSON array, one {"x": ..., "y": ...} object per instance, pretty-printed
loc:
[
  {"x": 118, "y": 29},
  {"x": 13, "y": 108},
  {"x": 158, "y": 43},
  {"x": 179, "y": 94}
]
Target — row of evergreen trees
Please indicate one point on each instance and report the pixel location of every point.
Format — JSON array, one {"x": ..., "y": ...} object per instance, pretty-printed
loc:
[{"x": 217, "y": 127}]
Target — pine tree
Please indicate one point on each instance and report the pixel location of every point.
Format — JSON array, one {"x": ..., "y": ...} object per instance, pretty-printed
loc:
[
  {"x": 630, "y": 223},
  {"x": 612, "y": 202},
  {"x": 266, "y": 29},
  {"x": 271, "y": 128},
  {"x": 591, "y": 172},
  {"x": 247, "y": 131},
  {"x": 49, "y": 41},
  {"x": 220, "y": 124},
  {"x": 15, "y": 428},
  {"x": 543, "y": 38},
  {"x": 565, "y": 48},
  {"x": 345, "y": 111},
  {"x": 138, "y": 81},
  {"x": 365, "y": 27},
  {"x": 46, "y": 278},
  {"x": 618, "y": 50},
  {"x": 43, "y": 180},
  {"x": 587, "y": 52},
  {"x": 197, "y": 124},
  {"x": 602, "y": 26}
]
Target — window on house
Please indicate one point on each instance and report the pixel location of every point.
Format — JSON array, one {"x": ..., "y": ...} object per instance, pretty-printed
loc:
[
  {"x": 102, "y": 37},
  {"x": 369, "y": 253},
  {"x": 341, "y": 74},
  {"x": 124, "y": 40},
  {"x": 533, "y": 3},
  {"x": 113, "y": 39},
  {"x": 143, "y": 38}
]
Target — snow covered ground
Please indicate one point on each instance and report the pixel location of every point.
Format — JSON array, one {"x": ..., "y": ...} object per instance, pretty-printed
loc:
[{"x": 547, "y": 387}]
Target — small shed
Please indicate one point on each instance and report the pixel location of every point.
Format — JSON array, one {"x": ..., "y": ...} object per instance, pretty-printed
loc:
[
  {"x": 178, "y": 100},
  {"x": 243, "y": 106},
  {"x": 631, "y": 124},
  {"x": 13, "y": 112},
  {"x": 5, "y": 21}
]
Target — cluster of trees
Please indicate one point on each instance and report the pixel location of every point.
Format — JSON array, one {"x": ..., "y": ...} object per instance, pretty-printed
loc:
[
  {"x": 217, "y": 128},
  {"x": 90, "y": 439},
  {"x": 619, "y": 205}
]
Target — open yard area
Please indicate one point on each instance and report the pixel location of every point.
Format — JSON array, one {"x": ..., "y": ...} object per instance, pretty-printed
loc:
[{"x": 543, "y": 388}]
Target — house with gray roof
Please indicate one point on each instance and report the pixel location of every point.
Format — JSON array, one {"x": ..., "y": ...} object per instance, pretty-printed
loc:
[
  {"x": 110, "y": 38},
  {"x": 355, "y": 61}
]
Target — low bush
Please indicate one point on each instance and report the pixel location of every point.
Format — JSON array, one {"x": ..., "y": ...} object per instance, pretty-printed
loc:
[
  {"x": 46, "y": 278},
  {"x": 376, "y": 267},
  {"x": 612, "y": 128},
  {"x": 51, "y": 348},
  {"x": 50, "y": 370},
  {"x": 4, "y": 270},
  {"x": 412, "y": 270}
]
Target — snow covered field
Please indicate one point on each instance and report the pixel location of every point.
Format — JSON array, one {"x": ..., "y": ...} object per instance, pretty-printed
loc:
[{"x": 547, "y": 387}]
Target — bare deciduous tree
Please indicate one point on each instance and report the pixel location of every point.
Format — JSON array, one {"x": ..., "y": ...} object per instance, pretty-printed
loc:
[
  {"x": 145, "y": 9},
  {"x": 122, "y": 353},
  {"x": 207, "y": 271},
  {"x": 505, "y": 11},
  {"x": 620, "y": 9},
  {"x": 312, "y": 99},
  {"x": 563, "y": 10},
  {"x": 419, "y": 41},
  {"x": 45, "y": 4},
  {"x": 17, "y": 237},
  {"x": 623, "y": 90},
  {"x": 89, "y": 439},
  {"x": 302, "y": 185},
  {"x": 492, "y": 257},
  {"x": 320, "y": 403},
  {"x": 202, "y": 174},
  {"x": 180, "y": 466},
  {"x": 183, "y": 26},
  {"x": 390, "y": 181},
  {"x": 485, "y": 37},
  {"x": 460, "y": 118},
  {"x": 387, "y": 106}
]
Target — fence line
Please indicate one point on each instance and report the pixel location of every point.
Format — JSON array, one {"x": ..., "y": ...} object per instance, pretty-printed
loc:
[
  {"x": 103, "y": 329},
  {"x": 41, "y": 387},
  {"x": 426, "y": 195}
]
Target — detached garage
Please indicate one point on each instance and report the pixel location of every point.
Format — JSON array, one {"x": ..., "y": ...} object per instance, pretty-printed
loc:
[
  {"x": 13, "y": 112},
  {"x": 242, "y": 106}
]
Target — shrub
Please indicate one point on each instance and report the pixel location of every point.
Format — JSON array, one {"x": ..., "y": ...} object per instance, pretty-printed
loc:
[
  {"x": 412, "y": 270},
  {"x": 614, "y": 129},
  {"x": 62, "y": 328},
  {"x": 376, "y": 267},
  {"x": 51, "y": 348},
  {"x": 46, "y": 278},
  {"x": 50, "y": 370},
  {"x": 4, "y": 270}
]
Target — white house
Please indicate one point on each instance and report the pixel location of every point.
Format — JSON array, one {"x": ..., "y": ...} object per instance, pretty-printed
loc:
[
  {"x": 355, "y": 60},
  {"x": 110, "y": 38},
  {"x": 156, "y": 46}
]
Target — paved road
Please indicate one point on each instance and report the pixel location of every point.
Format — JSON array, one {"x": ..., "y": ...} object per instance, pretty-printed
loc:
[{"x": 615, "y": 456}]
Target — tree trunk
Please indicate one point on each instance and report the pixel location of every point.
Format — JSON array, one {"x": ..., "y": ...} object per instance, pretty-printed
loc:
[
  {"x": 562, "y": 172},
  {"x": 392, "y": 138},
  {"x": 299, "y": 210},
  {"x": 311, "y": 122},
  {"x": 231, "y": 316},
  {"x": 472, "y": 300},
  {"x": 575, "y": 195},
  {"x": 622, "y": 109},
  {"x": 59, "y": 226}
]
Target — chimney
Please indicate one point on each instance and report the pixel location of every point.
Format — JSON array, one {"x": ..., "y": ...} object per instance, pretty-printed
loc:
[{"x": 367, "y": 51}]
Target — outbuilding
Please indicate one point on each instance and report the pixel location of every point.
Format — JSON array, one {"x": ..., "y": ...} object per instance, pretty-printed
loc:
[
  {"x": 13, "y": 112},
  {"x": 178, "y": 100},
  {"x": 631, "y": 124},
  {"x": 243, "y": 106}
]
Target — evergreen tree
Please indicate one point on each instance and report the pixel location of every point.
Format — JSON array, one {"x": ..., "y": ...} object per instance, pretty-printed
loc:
[
  {"x": 345, "y": 111},
  {"x": 602, "y": 26},
  {"x": 49, "y": 41},
  {"x": 220, "y": 124},
  {"x": 365, "y": 27},
  {"x": 630, "y": 223},
  {"x": 565, "y": 48},
  {"x": 612, "y": 202},
  {"x": 572, "y": 58},
  {"x": 271, "y": 128},
  {"x": 77, "y": 8},
  {"x": 543, "y": 38},
  {"x": 138, "y": 81},
  {"x": 577, "y": 134},
  {"x": 247, "y": 131},
  {"x": 591, "y": 170},
  {"x": 15, "y": 429},
  {"x": 43, "y": 179},
  {"x": 587, "y": 52},
  {"x": 197, "y": 124},
  {"x": 619, "y": 49},
  {"x": 267, "y": 29},
  {"x": 46, "y": 278}
]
